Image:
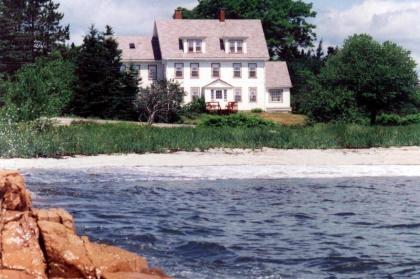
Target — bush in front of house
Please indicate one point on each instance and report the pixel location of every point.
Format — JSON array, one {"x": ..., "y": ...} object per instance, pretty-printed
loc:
[
  {"x": 256, "y": 110},
  {"x": 236, "y": 120},
  {"x": 196, "y": 107}
]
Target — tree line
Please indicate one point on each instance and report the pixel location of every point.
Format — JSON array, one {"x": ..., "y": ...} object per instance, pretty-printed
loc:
[{"x": 40, "y": 75}]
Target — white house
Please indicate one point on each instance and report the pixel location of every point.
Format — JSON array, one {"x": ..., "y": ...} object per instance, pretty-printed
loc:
[{"x": 222, "y": 60}]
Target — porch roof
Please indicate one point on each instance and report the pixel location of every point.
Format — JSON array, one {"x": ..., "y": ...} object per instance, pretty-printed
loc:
[{"x": 218, "y": 83}]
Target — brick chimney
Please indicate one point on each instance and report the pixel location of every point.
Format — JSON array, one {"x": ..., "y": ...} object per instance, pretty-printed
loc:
[
  {"x": 222, "y": 15},
  {"x": 178, "y": 14}
]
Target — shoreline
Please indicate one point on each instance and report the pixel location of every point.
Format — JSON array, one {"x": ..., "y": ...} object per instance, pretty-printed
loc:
[{"x": 238, "y": 164}]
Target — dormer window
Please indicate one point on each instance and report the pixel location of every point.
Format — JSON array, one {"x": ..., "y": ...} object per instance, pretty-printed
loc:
[
  {"x": 236, "y": 46},
  {"x": 132, "y": 45},
  {"x": 195, "y": 45}
]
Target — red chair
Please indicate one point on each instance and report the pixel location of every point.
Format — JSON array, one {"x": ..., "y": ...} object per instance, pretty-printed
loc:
[{"x": 232, "y": 107}]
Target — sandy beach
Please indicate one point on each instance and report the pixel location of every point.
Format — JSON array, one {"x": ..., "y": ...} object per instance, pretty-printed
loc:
[{"x": 266, "y": 163}]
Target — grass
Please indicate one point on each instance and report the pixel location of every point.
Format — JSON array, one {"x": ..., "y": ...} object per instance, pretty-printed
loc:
[
  {"x": 93, "y": 139},
  {"x": 286, "y": 119}
]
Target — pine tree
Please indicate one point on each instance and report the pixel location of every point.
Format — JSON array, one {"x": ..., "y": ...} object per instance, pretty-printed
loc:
[
  {"x": 29, "y": 29},
  {"x": 102, "y": 89}
]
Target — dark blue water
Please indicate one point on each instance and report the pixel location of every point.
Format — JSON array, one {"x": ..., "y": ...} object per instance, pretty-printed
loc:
[{"x": 289, "y": 228}]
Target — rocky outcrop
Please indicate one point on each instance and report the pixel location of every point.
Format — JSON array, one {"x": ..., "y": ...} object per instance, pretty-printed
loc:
[{"x": 41, "y": 244}]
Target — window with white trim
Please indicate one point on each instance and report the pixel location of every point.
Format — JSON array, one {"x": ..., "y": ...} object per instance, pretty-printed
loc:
[
  {"x": 195, "y": 93},
  {"x": 195, "y": 70},
  {"x": 237, "y": 70},
  {"x": 276, "y": 95},
  {"x": 252, "y": 68},
  {"x": 253, "y": 94},
  {"x": 215, "y": 70},
  {"x": 238, "y": 94},
  {"x": 195, "y": 45},
  {"x": 179, "y": 70},
  {"x": 236, "y": 46}
]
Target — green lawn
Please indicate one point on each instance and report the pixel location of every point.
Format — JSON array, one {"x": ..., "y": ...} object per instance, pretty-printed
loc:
[{"x": 91, "y": 139}]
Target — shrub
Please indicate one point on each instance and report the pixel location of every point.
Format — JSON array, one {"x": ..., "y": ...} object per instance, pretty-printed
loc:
[
  {"x": 235, "y": 120},
  {"x": 40, "y": 89},
  {"x": 197, "y": 106},
  {"x": 398, "y": 120},
  {"x": 256, "y": 110}
]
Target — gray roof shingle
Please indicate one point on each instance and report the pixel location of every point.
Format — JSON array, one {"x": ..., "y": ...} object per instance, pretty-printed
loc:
[
  {"x": 170, "y": 31},
  {"x": 277, "y": 75},
  {"x": 146, "y": 48}
]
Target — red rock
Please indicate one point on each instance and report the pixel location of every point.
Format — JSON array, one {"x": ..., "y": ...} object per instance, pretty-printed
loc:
[
  {"x": 13, "y": 192},
  {"x": 56, "y": 215},
  {"x": 20, "y": 247},
  {"x": 66, "y": 253},
  {"x": 36, "y": 241},
  {"x": 14, "y": 274}
]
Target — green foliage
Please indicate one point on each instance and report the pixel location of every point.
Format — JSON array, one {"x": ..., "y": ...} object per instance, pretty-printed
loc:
[
  {"x": 40, "y": 89},
  {"x": 236, "y": 120},
  {"x": 161, "y": 102},
  {"x": 256, "y": 110},
  {"x": 364, "y": 78},
  {"x": 29, "y": 29},
  {"x": 398, "y": 120},
  {"x": 102, "y": 89},
  {"x": 284, "y": 22},
  {"x": 196, "y": 107}
]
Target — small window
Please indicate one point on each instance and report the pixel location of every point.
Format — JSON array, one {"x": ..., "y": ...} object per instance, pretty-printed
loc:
[
  {"x": 132, "y": 45},
  {"x": 212, "y": 95},
  {"x": 237, "y": 70},
  {"x": 152, "y": 72},
  {"x": 225, "y": 95},
  {"x": 238, "y": 95},
  {"x": 195, "y": 70},
  {"x": 190, "y": 46},
  {"x": 252, "y": 94},
  {"x": 276, "y": 96},
  {"x": 123, "y": 68},
  {"x": 179, "y": 70},
  {"x": 195, "y": 93},
  {"x": 215, "y": 70},
  {"x": 252, "y": 70}
]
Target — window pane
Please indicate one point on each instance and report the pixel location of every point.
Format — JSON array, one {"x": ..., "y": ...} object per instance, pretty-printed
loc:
[
  {"x": 194, "y": 70},
  {"x": 195, "y": 93},
  {"x": 240, "y": 46},
  {"x": 219, "y": 94},
  {"x": 252, "y": 95},
  {"x": 215, "y": 70},
  {"x": 232, "y": 46},
  {"x": 252, "y": 70},
  {"x": 179, "y": 70},
  {"x": 276, "y": 96},
  {"x": 238, "y": 95},
  {"x": 190, "y": 45},
  {"x": 237, "y": 70},
  {"x": 198, "y": 45}
]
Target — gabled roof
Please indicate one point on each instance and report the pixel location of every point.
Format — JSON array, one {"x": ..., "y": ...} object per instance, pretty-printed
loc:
[
  {"x": 146, "y": 48},
  {"x": 277, "y": 75},
  {"x": 170, "y": 31},
  {"x": 218, "y": 83}
]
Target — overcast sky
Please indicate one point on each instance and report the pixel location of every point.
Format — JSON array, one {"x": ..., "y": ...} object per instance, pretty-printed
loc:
[{"x": 396, "y": 20}]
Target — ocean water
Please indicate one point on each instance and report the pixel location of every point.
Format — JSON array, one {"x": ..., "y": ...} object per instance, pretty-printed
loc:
[{"x": 246, "y": 228}]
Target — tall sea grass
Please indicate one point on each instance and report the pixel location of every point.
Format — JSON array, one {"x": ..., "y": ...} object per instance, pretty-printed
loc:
[{"x": 33, "y": 140}]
